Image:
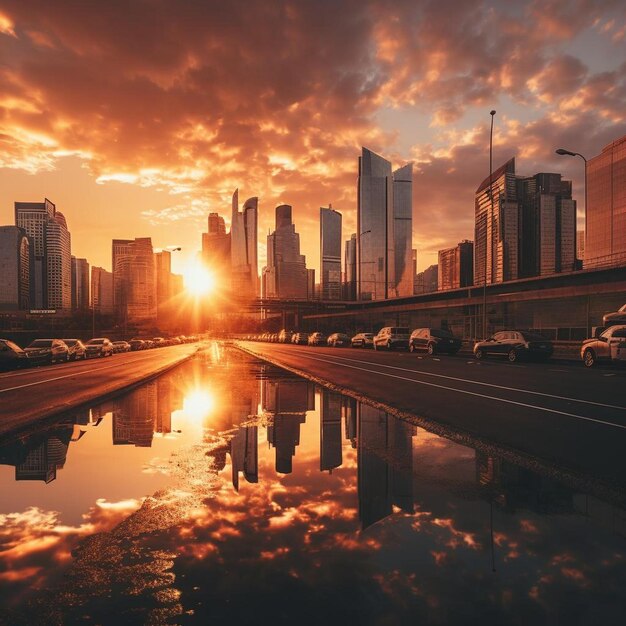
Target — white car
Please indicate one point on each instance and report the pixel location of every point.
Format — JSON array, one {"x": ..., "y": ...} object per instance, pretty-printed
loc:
[
  {"x": 391, "y": 337},
  {"x": 608, "y": 345}
]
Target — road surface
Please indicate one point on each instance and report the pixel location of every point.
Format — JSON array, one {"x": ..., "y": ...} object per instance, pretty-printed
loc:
[
  {"x": 28, "y": 396},
  {"x": 566, "y": 415}
]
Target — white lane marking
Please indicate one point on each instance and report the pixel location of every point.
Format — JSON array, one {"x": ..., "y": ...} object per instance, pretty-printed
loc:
[
  {"x": 479, "y": 395},
  {"x": 564, "y": 371},
  {"x": 49, "y": 380},
  {"x": 477, "y": 382}
]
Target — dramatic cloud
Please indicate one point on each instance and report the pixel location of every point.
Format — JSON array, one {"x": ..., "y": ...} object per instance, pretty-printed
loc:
[{"x": 194, "y": 99}]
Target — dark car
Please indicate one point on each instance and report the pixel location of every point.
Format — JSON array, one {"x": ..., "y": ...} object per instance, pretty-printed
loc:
[
  {"x": 47, "y": 351},
  {"x": 300, "y": 339},
  {"x": 434, "y": 341},
  {"x": 608, "y": 345},
  {"x": 121, "y": 346},
  {"x": 515, "y": 344},
  {"x": 362, "y": 340},
  {"x": 137, "y": 344},
  {"x": 76, "y": 349},
  {"x": 317, "y": 339},
  {"x": 12, "y": 356},
  {"x": 100, "y": 346},
  {"x": 338, "y": 340},
  {"x": 619, "y": 317}
]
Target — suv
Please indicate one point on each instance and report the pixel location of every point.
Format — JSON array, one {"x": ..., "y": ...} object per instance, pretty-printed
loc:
[
  {"x": 391, "y": 337},
  {"x": 608, "y": 345},
  {"x": 515, "y": 344},
  {"x": 434, "y": 341}
]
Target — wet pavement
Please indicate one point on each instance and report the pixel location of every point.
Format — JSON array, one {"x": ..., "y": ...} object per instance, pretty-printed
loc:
[{"x": 230, "y": 491}]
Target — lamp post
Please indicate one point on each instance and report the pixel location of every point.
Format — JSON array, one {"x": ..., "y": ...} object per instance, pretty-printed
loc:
[
  {"x": 564, "y": 152},
  {"x": 492, "y": 113}
]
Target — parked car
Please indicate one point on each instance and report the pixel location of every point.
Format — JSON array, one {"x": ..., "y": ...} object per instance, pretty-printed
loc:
[
  {"x": 434, "y": 341},
  {"x": 159, "y": 342},
  {"x": 619, "y": 317},
  {"x": 100, "y": 346},
  {"x": 317, "y": 339},
  {"x": 609, "y": 345},
  {"x": 136, "y": 344},
  {"x": 47, "y": 351},
  {"x": 362, "y": 340},
  {"x": 12, "y": 356},
  {"x": 300, "y": 339},
  {"x": 391, "y": 337},
  {"x": 515, "y": 344},
  {"x": 285, "y": 336},
  {"x": 121, "y": 346},
  {"x": 76, "y": 349},
  {"x": 338, "y": 340}
]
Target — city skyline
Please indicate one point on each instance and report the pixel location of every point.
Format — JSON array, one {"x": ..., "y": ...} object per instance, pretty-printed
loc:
[{"x": 124, "y": 158}]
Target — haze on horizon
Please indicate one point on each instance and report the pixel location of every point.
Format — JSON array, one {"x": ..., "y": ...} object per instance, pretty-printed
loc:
[{"x": 138, "y": 119}]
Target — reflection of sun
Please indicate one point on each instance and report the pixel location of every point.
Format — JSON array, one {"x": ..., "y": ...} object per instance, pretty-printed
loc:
[
  {"x": 198, "y": 281},
  {"x": 199, "y": 403}
]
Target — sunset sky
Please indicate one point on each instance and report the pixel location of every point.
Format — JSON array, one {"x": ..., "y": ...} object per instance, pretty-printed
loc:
[{"x": 139, "y": 118}]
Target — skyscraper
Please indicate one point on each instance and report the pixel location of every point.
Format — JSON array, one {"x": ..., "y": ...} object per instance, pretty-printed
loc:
[
  {"x": 496, "y": 229},
  {"x": 216, "y": 249},
  {"x": 605, "y": 240},
  {"x": 285, "y": 275},
  {"x": 102, "y": 290},
  {"x": 163, "y": 274},
  {"x": 15, "y": 264},
  {"x": 548, "y": 225},
  {"x": 80, "y": 284},
  {"x": 134, "y": 285},
  {"x": 59, "y": 263},
  {"x": 330, "y": 253},
  {"x": 456, "y": 266},
  {"x": 427, "y": 281},
  {"x": 51, "y": 271},
  {"x": 403, "y": 229},
  {"x": 243, "y": 247},
  {"x": 375, "y": 228},
  {"x": 350, "y": 265}
]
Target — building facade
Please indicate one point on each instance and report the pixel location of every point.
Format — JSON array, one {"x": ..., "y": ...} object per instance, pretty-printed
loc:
[
  {"x": 350, "y": 257},
  {"x": 403, "y": 230},
  {"x": 285, "y": 275},
  {"x": 15, "y": 266},
  {"x": 330, "y": 254},
  {"x": 102, "y": 291},
  {"x": 80, "y": 284},
  {"x": 134, "y": 283},
  {"x": 456, "y": 266},
  {"x": 605, "y": 227},
  {"x": 216, "y": 249},
  {"x": 427, "y": 281},
  {"x": 58, "y": 263}
]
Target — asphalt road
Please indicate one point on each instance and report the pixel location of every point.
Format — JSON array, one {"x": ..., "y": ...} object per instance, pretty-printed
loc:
[
  {"x": 562, "y": 414},
  {"x": 27, "y": 396}
]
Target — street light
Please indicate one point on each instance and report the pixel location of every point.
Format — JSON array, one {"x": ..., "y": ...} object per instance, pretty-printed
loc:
[
  {"x": 564, "y": 152},
  {"x": 492, "y": 113}
]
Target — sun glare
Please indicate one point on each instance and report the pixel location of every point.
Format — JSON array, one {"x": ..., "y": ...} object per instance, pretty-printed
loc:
[
  {"x": 198, "y": 281},
  {"x": 198, "y": 404}
]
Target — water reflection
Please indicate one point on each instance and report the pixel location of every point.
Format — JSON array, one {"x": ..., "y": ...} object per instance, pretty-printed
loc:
[{"x": 270, "y": 491}]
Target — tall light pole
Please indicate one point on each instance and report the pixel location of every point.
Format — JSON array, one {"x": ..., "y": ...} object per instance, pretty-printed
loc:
[
  {"x": 564, "y": 152},
  {"x": 492, "y": 113}
]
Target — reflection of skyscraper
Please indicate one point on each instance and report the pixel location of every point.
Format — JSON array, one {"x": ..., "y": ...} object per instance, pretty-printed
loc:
[
  {"x": 134, "y": 416},
  {"x": 330, "y": 430},
  {"x": 288, "y": 400},
  {"x": 244, "y": 455},
  {"x": 385, "y": 464},
  {"x": 349, "y": 413}
]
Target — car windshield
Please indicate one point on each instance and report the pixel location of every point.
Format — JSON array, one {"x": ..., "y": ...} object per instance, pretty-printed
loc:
[
  {"x": 400, "y": 331},
  {"x": 12, "y": 345},
  {"x": 41, "y": 343},
  {"x": 533, "y": 337},
  {"x": 438, "y": 332}
]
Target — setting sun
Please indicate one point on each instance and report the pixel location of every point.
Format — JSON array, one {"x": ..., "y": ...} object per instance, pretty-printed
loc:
[{"x": 198, "y": 281}]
